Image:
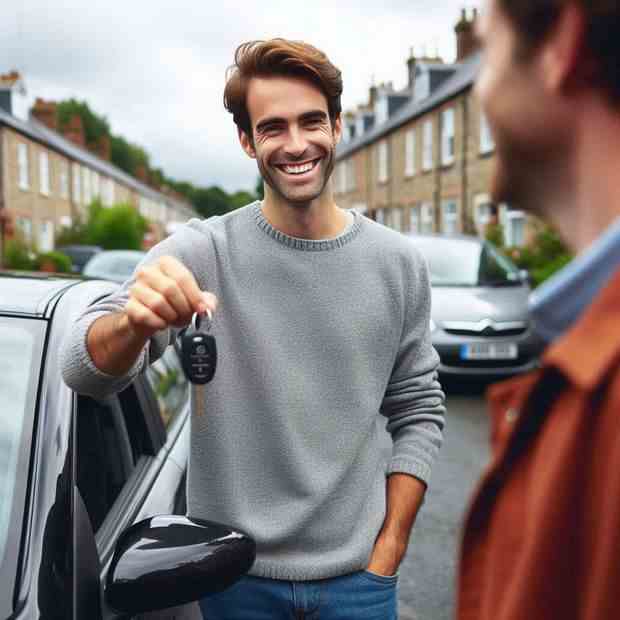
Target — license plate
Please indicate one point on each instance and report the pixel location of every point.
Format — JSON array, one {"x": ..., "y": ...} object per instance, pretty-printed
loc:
[{"x": 489, "y": 351}]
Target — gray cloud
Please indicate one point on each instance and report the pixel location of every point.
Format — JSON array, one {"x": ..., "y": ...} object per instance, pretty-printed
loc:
[{"x": 156, "y": 69}]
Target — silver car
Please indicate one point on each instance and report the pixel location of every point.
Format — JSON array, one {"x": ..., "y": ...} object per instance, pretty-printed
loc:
[
  {"x": 114, "y": 265},
  {"x": 480, "y": 323}
]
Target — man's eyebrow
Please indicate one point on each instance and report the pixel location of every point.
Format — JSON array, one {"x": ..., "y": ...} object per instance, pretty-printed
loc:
[
  {"x": 272, "y": 120},
  {"x": 313, "y": 114}
]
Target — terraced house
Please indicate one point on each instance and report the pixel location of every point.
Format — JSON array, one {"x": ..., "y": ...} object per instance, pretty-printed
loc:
[
  {"x": 48, "y": 178},
  {"x": 420, "y": 159}
]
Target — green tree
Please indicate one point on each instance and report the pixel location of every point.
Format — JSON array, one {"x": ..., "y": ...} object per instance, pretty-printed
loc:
[
  {"x": 120, "y": 227},
  {"x": 95, "y": 126}
]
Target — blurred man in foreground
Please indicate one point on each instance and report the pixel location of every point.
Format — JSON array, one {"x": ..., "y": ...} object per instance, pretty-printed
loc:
[{"x": 542, "y": 537}]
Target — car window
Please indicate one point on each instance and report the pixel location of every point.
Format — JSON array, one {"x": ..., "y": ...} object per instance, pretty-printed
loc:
[
  {"x": 21, "y": 345},
  {"x": 451, "y": 262},
  {"x": 104, "y": 457},
  {"x": 169, "y": 385},
  {"x": 496, "y": 269}
]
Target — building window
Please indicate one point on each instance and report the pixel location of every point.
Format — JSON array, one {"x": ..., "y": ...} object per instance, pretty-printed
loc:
[
  {"x": 108, "y": 192},
  {"x": 64, "y": 180},
  {"x": 410, "y": 153},
  {"x": 87, "y": 186},
  {"x": 485, "y": 213},
  {"x": 487, "y": 143},
  {"x": 24, "y": 226},
  {"x": 351, "y": 182},
  {"x": 22, "y": 162},
  {"x": 382, "y": 165},
  {"x": 414, "y": 219},
  {"x": 77, "y": 184},
  {"x": 44, "y": 173},
  {"x": 514, "y": 229},
  {"x": 381, "y": 110},
  {"x": 427, "y": 218},
  {"x": 449, "y": 217},
  {"x": 46, "y": 236},
  {"x": 397, "y": 219},
  {"x": 447, "y": 137},
  {"x": 379, "y": 216},
  {"x": 427, "y": 155},
  {"x": 95, "y": 186}
]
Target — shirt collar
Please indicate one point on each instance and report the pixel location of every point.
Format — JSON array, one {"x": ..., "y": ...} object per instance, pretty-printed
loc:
[{"x": 557, "y": 305}]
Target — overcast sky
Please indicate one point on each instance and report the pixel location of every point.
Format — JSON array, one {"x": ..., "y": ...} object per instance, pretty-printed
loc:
[{"x": 156, "y": 69}]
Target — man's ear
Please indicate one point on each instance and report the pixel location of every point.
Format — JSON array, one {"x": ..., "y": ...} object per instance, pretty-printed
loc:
[
  {"x": 337, "y": 129},
  {"x": 247, "y": 144},
  {"x": 564, "y": 54}
]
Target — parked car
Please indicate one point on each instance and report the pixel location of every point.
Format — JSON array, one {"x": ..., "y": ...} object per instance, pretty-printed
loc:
[
  {"x": 79, "y": 255},
  {"x": 480, "y": 322},
  {"x": 114, "y": 265},
  {"x": 92, "y": 510}
]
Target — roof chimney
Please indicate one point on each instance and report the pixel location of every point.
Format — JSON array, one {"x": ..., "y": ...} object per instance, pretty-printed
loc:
[
  {"x": 466, "y": 40},
  {"x": 45, "y": 113},
  {"x": 8, "y": 83},
  {"x": 75, "y": 131},
  {"x": 411, "y": 64}
]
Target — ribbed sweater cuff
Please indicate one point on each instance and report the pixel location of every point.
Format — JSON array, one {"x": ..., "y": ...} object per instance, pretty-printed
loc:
[{"x": 420, "y": 469}]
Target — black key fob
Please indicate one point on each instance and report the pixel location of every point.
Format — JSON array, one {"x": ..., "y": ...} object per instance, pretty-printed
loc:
[{"x": 198, "y": 352}]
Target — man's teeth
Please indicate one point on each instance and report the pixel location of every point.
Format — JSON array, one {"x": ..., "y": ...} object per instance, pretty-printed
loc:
[{"x": 298, "y": 169}]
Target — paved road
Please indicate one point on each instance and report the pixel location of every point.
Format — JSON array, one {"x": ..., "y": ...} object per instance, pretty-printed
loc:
[{"x": 427, "y": 573}]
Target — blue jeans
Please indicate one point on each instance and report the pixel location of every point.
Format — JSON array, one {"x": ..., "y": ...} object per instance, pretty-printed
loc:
[{"x": 358, "y": 596}]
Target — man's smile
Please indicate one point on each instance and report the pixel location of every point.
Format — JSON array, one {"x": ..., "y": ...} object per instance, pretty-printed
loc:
[{"x": 298, "y": 169}]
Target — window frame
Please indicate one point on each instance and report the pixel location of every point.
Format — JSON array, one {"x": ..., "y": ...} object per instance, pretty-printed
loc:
[
  {"x": 486, "y": 140},
  {"x": 44, "y": 173},
  {"x": 448, "y": 133},
  {"x": 23, "y": 166},
  {"x": 428, "y": 159},
  {"x": 383, "y": 173},
  {"x": 410, "y": 152}
]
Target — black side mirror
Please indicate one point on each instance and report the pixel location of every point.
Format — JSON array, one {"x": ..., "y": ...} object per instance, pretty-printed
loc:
[{"x": 171, "y": 560}]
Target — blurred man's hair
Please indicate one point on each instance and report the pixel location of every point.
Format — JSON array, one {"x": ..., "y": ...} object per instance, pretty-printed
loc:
[
  {"x": 279, "y": 57},
  {"x": 534, "y": 19}
]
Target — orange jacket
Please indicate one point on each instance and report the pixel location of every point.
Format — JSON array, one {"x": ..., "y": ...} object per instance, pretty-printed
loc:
[{"x": 542, "y": 536}]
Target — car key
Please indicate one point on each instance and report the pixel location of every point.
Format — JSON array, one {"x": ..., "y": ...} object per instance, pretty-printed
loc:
[{"x": 198, "y": 351}]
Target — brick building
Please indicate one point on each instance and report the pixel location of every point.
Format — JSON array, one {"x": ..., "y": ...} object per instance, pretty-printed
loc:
[
  {"x": 48, "y": 178},
  {"x": 421, "y": 159}
]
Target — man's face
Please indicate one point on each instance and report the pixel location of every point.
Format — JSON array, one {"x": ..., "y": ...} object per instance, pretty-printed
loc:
[
  {"x": 293, "y": 141},
  {"x": 527, "y": 120}
]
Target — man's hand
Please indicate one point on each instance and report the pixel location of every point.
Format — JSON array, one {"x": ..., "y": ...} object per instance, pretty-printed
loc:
[
  {"x": 165, "y": 294},
  {"x": 387, "y": 555},
  {"x": 404, "y": 498}
]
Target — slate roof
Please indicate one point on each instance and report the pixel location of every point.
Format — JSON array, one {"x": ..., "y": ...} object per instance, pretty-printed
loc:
[
  {"x": 50, "y": 138},
  {"x": 462, "y": 79}
]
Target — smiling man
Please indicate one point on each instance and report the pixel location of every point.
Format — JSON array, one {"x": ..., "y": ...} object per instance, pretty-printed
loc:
[{"x": 322, "y": 328}]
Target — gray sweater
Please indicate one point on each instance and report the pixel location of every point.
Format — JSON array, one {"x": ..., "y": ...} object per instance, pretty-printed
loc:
[{"x": 315, "y": 340}]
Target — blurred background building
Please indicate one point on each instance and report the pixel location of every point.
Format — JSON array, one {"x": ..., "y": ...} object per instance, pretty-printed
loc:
[{"x": 420, "y": 159}]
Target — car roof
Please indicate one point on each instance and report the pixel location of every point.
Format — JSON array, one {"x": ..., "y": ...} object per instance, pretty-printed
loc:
[
  {"x": 28, "y": 293},
  {"x": 439, "y": 236}
]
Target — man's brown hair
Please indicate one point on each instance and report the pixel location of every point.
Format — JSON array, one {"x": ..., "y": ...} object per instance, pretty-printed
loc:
[
  {"x": 535, "y": 19},
  {"x": 283, "y": 58}
]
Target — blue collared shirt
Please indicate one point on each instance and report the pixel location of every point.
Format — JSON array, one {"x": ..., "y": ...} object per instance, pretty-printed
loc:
[{"x": 558, "y": 303}]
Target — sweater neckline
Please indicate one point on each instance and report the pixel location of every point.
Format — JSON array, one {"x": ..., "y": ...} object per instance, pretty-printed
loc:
[{"x": 309, "y": 245}]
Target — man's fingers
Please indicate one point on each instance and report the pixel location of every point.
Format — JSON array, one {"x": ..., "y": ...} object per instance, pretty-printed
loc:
[
  {"x": 198, "y": 300},
  {"x": 154, "y": 279},
  {"x": 154, "y": 301},
  {"x": 142, "y": 317}
]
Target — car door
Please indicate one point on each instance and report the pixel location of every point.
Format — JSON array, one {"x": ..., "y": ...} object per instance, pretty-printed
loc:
[{"x": 130, "y": 458}]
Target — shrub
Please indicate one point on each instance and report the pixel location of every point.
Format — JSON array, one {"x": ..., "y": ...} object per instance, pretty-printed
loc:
[
  {"x": 17, "y": 255},
  {"x": 53, "y": 261},
  {"x": 120, "y": 227},
  {"x": 495, "y": 234}
]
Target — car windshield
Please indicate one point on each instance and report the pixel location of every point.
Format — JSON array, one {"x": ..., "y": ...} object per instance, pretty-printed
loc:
[
  {"x": 20, "y": 359},
  {"x": 466, "y": 262},
  {"x": 122, "y": 265}
]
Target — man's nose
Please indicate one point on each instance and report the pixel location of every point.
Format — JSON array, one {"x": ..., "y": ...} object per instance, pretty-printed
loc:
[{"x": 296, "y": 143}]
